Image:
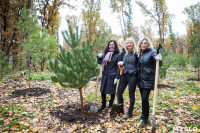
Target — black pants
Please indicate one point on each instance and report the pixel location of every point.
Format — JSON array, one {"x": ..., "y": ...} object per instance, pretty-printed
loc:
[
  {"x": 145, "y": 102},
  {"x": 103, "y": 97},
  {"x": 131, "y": 81}
]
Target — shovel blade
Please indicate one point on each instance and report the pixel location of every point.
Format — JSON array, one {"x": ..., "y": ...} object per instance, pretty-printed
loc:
[
  {"x": 153, "y": 124},
  {"x": 93, "y": 109},
  {"x": 115, "y": 110}
]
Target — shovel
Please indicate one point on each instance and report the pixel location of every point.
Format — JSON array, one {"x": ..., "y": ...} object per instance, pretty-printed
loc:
[
  {"x": 93, "y": 108},
  {"x": 117, "y": 107},
  {"x": 155, "y": 91}
]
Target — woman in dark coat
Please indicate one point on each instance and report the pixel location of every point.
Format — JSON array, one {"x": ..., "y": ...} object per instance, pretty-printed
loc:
[
  {"x": 146, "y": 74},
  {"x": 109, "y": 75},
  {"x": 128, "y": 77}
]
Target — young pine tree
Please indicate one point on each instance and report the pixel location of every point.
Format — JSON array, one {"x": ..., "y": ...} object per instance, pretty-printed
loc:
[
  {"x": 75, "y": 67},
  {"x": 27, "y": 25}
]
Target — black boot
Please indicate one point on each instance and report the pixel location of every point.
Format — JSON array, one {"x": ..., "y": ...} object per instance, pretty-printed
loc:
[
  {"x": 108, "y": 108},
  {"x": 141, "y": 117},
  {"x": 110, "y": 102},
  {"x": 103, "y": 98},
  {"x": 144, "y": 123},
  {"x": 101, "y": 108},
  {"x": 129, "y": 115}
]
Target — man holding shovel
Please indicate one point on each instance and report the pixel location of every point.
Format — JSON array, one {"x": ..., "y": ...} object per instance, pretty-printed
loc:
[{"x": 147, "y": 57}]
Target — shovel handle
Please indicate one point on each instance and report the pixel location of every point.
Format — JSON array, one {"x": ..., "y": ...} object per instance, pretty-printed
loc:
[
  {"x": 155, "y": 91},
  {"x": 156, "y": 81},
  {"x": 154, "y": 98},
  {"x": 155, "y": 87},
  {"x": 97, "y": 84},
  {"x": 121, "y": 69}
]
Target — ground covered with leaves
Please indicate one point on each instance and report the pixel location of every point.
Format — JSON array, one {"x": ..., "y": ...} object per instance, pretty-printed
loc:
[{"x": 47, "y": 107}]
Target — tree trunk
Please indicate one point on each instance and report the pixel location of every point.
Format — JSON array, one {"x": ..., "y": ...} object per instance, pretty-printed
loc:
[
  {"x": 29, "y": 63},
  {"x": 28, "y": 6},
  {"x": 42, "y": 65},
  {"x": 198, "y": 64},
  {"x": 41, "y": 69},
  {"x": 198, "y": 72},
  {"x": 81, "y": 97}
]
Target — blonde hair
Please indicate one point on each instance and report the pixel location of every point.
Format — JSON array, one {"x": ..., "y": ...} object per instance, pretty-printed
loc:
[
  {"x": 131, "y": 41},
  {"x": 139, "y": 44}
]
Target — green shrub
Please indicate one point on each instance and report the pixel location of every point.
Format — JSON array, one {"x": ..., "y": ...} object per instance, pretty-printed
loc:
[
  {"x": 194, "y": 61},
  {"x": 179, "y": 61},
  {"x": 4, "y": 65},
  {"x": 39, "y": 76},
  {"x": 166, "y": 63}
]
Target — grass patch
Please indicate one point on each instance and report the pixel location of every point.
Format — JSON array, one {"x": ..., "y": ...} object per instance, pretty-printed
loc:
[{"x": 39, "y": 76}]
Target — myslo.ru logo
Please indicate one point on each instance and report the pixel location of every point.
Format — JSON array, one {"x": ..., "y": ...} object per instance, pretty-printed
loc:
[{"x": 184, "y": 129}]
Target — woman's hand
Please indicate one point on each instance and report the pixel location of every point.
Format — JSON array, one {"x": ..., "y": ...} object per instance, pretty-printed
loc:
[
  {"x": 100, "y": 55},
  {"x": 159, "y": 57},
  {"x": 99, "y": 58},
  {"x": 120, "y": 63},
  {"x": 115, "y": 81}
]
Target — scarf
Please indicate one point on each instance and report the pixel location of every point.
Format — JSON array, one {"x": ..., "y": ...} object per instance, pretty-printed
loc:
[{"x": 107, "y": 58}]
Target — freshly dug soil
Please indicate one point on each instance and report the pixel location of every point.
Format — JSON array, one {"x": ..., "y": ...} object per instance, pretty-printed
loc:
[
  {"x": 72, "y": 113},
  {"x": 193, "y": 79},
  {"x": 30, "y": 92},
  {"x": 165, "y": 86}
]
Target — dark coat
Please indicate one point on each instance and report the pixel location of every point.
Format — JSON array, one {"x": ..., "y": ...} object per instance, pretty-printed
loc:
[
  {"x": 130, "y": 62},
  {"x": 146, "y": 65},
  {"x": 110, "y": 72}
]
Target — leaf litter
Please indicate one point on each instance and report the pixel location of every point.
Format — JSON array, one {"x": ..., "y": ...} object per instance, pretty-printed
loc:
[{"x": 55, "y": 109}]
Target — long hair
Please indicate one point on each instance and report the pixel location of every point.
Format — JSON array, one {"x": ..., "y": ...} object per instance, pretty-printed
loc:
[
  {"x": 139, "y": 44},
  {"x": 132, "y": 41},
  {"x": 116, "y": 51}
]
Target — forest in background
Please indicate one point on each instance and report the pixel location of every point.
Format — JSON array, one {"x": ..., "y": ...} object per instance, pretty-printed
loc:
[{"x": 30, "y": 29}]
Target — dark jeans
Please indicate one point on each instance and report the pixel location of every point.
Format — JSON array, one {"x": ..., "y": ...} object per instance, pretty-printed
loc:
[
  {"x": 103, "y": 97},
  {"x": 145, "y": 102},
  {"x": 131, "y": 81}
]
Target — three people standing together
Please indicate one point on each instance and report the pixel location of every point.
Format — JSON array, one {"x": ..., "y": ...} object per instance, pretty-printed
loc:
[{"x": 139, "y": 69}]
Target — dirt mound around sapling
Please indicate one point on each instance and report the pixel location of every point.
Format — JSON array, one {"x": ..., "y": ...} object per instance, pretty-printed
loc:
[{"x": 30, "y": 92}]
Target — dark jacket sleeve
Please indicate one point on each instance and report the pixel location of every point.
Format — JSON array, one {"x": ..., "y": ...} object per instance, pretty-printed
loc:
[
  {"x": 136, "y": 56},
  {"x": 122, "y": 54},
  {"x": 118, "y": 76},
  {"x": 118, "y": 70}
]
